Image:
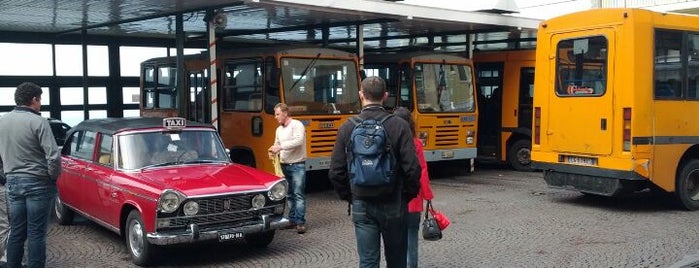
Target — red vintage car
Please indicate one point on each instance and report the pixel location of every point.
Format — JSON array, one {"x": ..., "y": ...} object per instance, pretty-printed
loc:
[{"x": 164, "y": 181}]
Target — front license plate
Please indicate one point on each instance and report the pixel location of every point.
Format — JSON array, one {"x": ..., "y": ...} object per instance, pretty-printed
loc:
[
  {"x": 231, "y": 236},
  {"x": 447, "y": 154},
  {"x": 581, "y": 160}
]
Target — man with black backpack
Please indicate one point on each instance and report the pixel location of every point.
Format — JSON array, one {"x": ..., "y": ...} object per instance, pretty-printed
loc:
[{"x": 374, "y": 166}]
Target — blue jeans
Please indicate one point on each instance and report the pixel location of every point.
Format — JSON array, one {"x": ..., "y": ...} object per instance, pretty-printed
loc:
[
  {"x": 30, "y": 200},
  {"x": 295, "y": 175},
  {"x": 373, "y": 221},
  {"x": 412, "y": 221}
]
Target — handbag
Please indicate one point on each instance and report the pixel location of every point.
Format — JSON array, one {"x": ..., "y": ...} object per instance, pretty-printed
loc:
[
  {"x": 441, "y": 219},
  {"x": 430, "y": 228}
]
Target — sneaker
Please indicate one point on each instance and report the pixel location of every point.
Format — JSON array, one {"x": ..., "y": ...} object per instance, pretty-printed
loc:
[{"x": 301, "y": 229}]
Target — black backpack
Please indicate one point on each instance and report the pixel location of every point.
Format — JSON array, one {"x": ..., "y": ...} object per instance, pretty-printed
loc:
[{"x": 370, "y": 158}]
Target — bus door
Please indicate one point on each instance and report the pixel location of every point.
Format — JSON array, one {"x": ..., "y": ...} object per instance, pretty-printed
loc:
[
  {"x": 199, "y": 104},
  {"x": 526, "y": 97},
  {"x": 581, "y": 112},
  {"x": 490, "y": 83}
]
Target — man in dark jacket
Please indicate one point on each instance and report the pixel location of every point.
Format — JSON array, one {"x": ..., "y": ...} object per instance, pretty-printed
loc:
[{"x": 383, "y": 217}]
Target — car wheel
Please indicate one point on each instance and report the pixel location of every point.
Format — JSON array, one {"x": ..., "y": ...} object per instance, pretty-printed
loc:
[
  {"x": 260, "y": 240},
  {"x": 687, "y": 185},
  {"x": 519, "y": 155},
  {"x": 64, "y": 215},
  {"x": 140, "y": 250}
]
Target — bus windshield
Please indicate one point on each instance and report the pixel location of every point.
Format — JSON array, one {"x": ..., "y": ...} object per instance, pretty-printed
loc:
[
  {"x": 320, "y": 86},
  {"x": 444, "y": 88}
]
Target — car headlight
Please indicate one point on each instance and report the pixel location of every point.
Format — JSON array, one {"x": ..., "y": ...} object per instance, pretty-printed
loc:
[
  {"x": 169, "y": 201},
  {"x": 258, "y": 201},
  {"x": 278, "y": 191},
  {"x": 191, "y": 208}
]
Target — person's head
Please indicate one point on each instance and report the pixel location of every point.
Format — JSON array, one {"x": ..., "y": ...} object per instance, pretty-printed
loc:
[
  {"x": 373, "y": 90},
  {"x": 28, "y": 94},
  {"x": 404, "y": 114},
  {"x": 281, "y": 113}
]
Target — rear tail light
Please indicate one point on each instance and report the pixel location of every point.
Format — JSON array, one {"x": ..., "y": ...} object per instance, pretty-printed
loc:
[
  {"x": 627, "y": 130},
  {"x": 537, "y": 125}
]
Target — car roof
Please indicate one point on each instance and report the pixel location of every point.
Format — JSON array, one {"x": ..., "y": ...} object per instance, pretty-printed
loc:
[{"x": 114, "y": 125}]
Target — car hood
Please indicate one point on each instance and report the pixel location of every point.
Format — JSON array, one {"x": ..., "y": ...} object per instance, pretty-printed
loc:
[{"x": 194, "y": 180}]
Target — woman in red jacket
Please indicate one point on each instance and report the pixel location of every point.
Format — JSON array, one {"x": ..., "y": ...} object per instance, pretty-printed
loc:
[{"x": 416, "y": 205}]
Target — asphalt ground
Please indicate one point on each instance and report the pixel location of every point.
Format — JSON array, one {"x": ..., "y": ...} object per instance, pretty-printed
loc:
[{"x": 500, "y": 218}]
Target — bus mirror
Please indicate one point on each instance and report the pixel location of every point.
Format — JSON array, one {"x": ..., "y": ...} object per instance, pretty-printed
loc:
[
  {"x": 362, "y": 75},
  {"x": 274, "y": 78}
]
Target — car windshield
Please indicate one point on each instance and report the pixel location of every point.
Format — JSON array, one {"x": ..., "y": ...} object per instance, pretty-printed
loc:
[{"x": 150, "y": 149}]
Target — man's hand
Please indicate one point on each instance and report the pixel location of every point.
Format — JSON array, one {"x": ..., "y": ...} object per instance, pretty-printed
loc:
[{"x": 275, "y": 149}]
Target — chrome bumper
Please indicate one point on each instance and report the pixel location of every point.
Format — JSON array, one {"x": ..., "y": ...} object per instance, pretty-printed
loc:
[{"x": 193, "y": 234}]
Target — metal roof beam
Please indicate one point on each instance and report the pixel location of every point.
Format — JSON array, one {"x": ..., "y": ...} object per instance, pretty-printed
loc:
[{"x": 227, "y": 33}]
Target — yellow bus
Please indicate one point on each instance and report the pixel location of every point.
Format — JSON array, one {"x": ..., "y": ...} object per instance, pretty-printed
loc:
[
  {"x": 616, "y": 103},
  {"x": 439, "y": 90},
  {"x": 505, "y": 82},
  {"x": 320, "y": 86}
]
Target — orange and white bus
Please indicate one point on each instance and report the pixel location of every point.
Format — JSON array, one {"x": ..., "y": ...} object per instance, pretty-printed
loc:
[
  {"x": 616, "y": 102},
  {"x": 506, "y": 90},
  {"x": 439, "y": 90},
  {"x": 320, "y": 86}
]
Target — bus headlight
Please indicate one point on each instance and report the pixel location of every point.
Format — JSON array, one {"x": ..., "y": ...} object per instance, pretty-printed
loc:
[
  {"x": 169, "y": 201},
  {"x": 470, "y": 136},
  {"x": 278, "y": 191},
  {"x": 191, "y": 208},
  {"x": 423, "y": 136},
  {"x": 258, "y": 201}
]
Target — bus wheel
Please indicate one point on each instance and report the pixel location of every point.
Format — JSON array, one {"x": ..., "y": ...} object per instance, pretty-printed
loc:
[
  {"x": 243, "y": 158},
  {"x": 687, "y": 191},
  {"x": 519, "y": 155}
]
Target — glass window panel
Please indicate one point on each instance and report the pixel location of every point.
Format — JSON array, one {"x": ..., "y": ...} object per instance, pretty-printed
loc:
[
  {"x": 7, "y": 96},
  {"x": 97, "y": 61},
  {"x": 94, "y": 114},
  {"x": 71, "y": 95},
  {"x": 132, "y": 113},
  {"x": 668, "y": 81},
  {"x": 69, "y": 60},
  {"x": 693, "y": 66},
  {"x": 131, "y": 58},
  {"x": 130, "y": 95},
  {"x": 97, "y": 95},
  {"x": 72, "y": 118},
  {"x": 581, "y": 66},
  {"x": 39, "y": 55}
]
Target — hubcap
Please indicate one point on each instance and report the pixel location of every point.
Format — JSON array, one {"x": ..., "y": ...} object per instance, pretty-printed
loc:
[
  {"x": 136, "y": 238},
  {"x": 693, "y": 185},
  {"x": 58, "y": 207},
  {"x": 524, "y": 156}
]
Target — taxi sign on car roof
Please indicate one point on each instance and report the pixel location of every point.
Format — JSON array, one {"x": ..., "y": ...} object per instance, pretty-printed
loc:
[{"x": 173, "y": 123}]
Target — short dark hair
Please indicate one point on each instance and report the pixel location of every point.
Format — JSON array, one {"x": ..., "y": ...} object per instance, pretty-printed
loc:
[
  {"x": 374, "y": 88},
  {"x": 404, "y": 114},
  {"x": 26, "y": 92}
]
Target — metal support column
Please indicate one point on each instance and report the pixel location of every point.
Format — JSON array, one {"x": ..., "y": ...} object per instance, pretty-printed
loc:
[{"x": 182, "y": 92}]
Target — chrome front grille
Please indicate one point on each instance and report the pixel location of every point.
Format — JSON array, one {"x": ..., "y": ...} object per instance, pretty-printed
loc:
[{"x": 230, "y": 210}]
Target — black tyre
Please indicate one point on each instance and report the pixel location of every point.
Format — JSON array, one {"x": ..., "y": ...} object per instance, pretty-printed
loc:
[
  {"x": 64, "y": 215},
  {"x": 687, "y": 185},
  {"x": 519, "y": 155},
  {"x": 142, "y": 253},
  {"x": 260, "y": 240}
]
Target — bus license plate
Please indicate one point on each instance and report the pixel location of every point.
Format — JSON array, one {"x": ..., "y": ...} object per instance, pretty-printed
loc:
[
  {"x": 581, "y": 160},
  {"x": 231, "y": 236},
  {"x": 447, "y": 154}
]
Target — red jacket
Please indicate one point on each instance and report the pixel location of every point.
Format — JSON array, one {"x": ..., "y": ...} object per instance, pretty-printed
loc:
[{"x": 416, "y": 205}]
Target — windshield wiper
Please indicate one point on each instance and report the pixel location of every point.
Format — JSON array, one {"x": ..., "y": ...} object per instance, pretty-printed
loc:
[
  {"x": 204, "y": 161},
  {"x": 161, "y": 164},
  {"x": 310, "y": 64}
]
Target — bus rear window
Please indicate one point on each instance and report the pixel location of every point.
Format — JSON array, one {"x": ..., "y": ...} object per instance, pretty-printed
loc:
[{"x": 581, "y": 66}]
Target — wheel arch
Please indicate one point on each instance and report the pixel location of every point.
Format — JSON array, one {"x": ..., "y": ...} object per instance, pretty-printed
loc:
[
  {"x": 243, "y": 155},
  {"x": 123, "y": 215}
]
